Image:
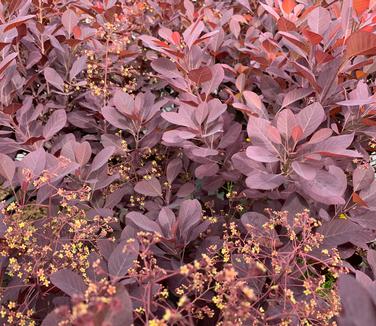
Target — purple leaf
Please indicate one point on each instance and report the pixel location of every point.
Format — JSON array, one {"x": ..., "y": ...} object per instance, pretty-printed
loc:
[
  {"x": 216, "y": 109},
  {"x": 218, "y": 76},
  {"x": 101, "y": 158},
  {"x": 123, "y": 314},
  {"x": 305, "y": 171},
  {"x": 310, "y": 118},
  {"x": 363, "y": 176},
  {"x": 78, "y": 66},
  {"x": 256, "y": 131},
  {"x": 338, "y": 232},
  {"x": 54, "y": 78},
  {"x": 69, "y": 282},
  {"x": 166, "y": 220},
  {"x": 35, "y": 161},
  {"x": 320, "y": 135},
  {"x": 358, "y": 308},
  {"x": 122, "y": 258},
  {"x": 69, "y": 20},
  {"x": 192, "y": 33},
  {"x": 264, "y": 181},
  {"x": 150, "y": 187},
  {"x": 318, "y": 20},
  {"x": 286, "y": 121},
  {"x": 186, "y": 190},
  {"x": 261, "y": 154},
  {"x": 55, "y": 123},
  {"x": 143, "y": 222},
  {"x": 82, "y": 152},
  {"x": 7, "y": 167},
  {"x": 189, "y": 216},
  {"x": 114, "y": 117},
  {"x": 295, "y": 95},
  {"x": 174, "y": 168},
  {"x": 327, "y": 187},
  {"x": 206, "y": 170},
  {"x": 255, "y": 104},
  {"x": 124, "y": 103}
]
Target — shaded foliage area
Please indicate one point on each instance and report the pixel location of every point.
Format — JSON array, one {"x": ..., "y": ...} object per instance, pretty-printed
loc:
[{"x": 170, "y": 162}]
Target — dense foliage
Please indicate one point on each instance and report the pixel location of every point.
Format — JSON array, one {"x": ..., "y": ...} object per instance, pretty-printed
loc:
[{"x": 178, "y": 162}]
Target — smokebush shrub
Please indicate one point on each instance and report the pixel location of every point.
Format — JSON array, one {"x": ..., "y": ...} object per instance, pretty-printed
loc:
[{"x": 180, "y": 162}]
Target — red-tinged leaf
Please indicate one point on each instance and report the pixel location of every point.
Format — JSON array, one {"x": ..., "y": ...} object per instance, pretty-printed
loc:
[
  {"x": 361, "y": 43},
  {"x": 305, "y": 171},
  {"x": 175, "y": 36},
  {"x": 7, "y": 61},
  {"x": 33, "y": 140},
  {"x": 273, "y": 134},
  {"x": 3, "y": 45},
  {"x": 17, "y": 22},
  {"x": 360, "y": 6},
  {"x": 368, "y": 122},
  {"x": 77, "y": 32},
  {"x": 297, "y": 133},
  {"x": 102, "y": 158},
  {"x": 174, "y": 168},
  {"x": 121, "y": 259},
  {"x": 143, "y": 222},
  {"x": 55, "y": 123},
  {"x": 69, "y": 20},
  {"x": 261, "y": 154},
  {"x": 295, "y": 95},
  {"x": 285, "y": 25},
  {"x": 310, "y": 118},
  {"x": 200, "y": 75},
  {"x": 363, "y": 177},
  {"x": 264, "y": 181},
  {"x": 13, "y": 5},
  {"x": 82, "y": 152},
  {"x": 12, "y": 108},
  {"x": 151, "y": 187},
  {"x": 54, "y": 78},
  {"x": 7, "y": 167},
  {"x": 358, "y": 200},
  {"x": 312, "y": 37},
  {"x": 288, "y": 6},
  {"x": 69, "y": 282},
  {"x": 161, "y": 43}
]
